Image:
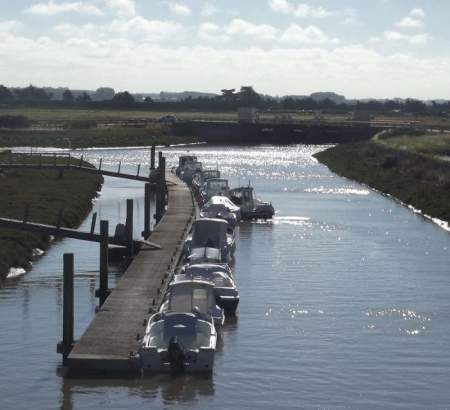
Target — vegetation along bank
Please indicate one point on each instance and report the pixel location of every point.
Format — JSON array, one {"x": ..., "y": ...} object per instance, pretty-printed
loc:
[
  {"x": 46, "y": 192},
  {"x": 413, "y": 168}
]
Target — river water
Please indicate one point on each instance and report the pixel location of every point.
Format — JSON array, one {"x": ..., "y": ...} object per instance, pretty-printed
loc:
[{"x": 345, "y": 300}]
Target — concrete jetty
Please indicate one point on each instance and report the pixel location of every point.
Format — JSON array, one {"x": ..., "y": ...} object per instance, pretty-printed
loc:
[{"x": 110, "y": 341}]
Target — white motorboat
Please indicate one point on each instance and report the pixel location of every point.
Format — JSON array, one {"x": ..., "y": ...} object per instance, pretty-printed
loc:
[
  {"x": 210, "y": 233},
  {"x": 178, "y": 341},
  {"x": 219, "y": 211},
  {"x": 193, "y": 295},
  {"x": 227, "y": 295},
  {"x": 213, "y": 187},
  {"x": 225, "y": 201}
]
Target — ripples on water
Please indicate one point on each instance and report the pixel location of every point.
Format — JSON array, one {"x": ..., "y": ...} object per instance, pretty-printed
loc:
[{"x": 345, "y": 300}]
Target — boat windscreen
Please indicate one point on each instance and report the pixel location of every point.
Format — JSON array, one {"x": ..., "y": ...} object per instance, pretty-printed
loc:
[{"x": 209, "y": 234}]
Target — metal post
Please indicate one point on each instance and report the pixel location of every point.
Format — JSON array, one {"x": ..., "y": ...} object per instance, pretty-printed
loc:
[
  {"x": 66, "y": 345},
  {"x": 138, "y": 170},
  {"x": 159, "y": 192},
  {"x": 120, "y": 164},
  {"x": 152, "y": 158},
  {"x": 160, "y": 155},
  {"x": 100, "y": 166},
  {"x": 103, "y": 292},
  {"x": 129, "y": 229},
  {"x": 146, "y": 231}
]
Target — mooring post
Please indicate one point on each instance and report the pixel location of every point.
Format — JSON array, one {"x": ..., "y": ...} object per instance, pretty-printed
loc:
[
  {"x": 146, "y": 231},
  {"x": 159, "y": 201},
  {"x": 103, "y": 292},
  {"x": 152, "y": 158},
  {"x": 160, "y": 155},
  {"x": 120, "y": 164},
  {"x": 10, "y": 157},
  {"x": 100, "y": 165},
  {"x": 40, "y": 160},
  {"x": 66, "y": 345},
  {"x": 81, "y": 161},
  {"x": 93, "y": 221},
  {"x": 54, "y": 159},
  {"x": 138, "y": 170},
  {"x": 129, "y": 229}
]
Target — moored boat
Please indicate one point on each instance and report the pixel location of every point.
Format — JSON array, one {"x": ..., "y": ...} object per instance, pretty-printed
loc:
[
  {"x": 178, "y": 341},
  {"x": 251, "y": 207}
]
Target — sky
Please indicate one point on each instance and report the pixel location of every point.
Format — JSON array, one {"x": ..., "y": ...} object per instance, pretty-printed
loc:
[{"x": 358, "y": 48}]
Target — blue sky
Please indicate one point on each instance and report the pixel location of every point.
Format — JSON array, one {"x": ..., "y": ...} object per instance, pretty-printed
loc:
[{"x": 378, "y": 48}]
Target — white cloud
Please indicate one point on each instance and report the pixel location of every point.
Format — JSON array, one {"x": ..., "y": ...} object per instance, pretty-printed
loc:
[
  {"x": 409, "y": 22},
  {"x": 299, "y": 10},
  {"x": 10, "y": 26},
  {"x": 418, "y": 12},
  {"x": 179, "y": 8},
  {"x": 212, "y": 32},
  {"x": 350, "y": 16},
  {"x": 356, "y": 71},
  {"x": 208, "y": 10},
  {"x": 282, "y": 6},
  {"x": 309, "y": 35},
  {"x": 243, "y": 27},
  {"x": 415, "y": 39},
  {"x": 71, "y": 30},
  {"x": 124, "y": 8},
  {"x": 52, "y": 8},
  {"x": 153, "y": 29}
]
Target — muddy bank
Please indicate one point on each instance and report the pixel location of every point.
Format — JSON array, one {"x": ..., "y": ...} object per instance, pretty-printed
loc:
[{"x": 46, "y": 192}]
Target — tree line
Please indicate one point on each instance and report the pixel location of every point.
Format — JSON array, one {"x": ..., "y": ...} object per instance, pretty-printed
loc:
[{"x": 229, "y": 100}]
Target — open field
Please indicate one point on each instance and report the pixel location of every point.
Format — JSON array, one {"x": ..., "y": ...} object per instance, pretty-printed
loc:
[
  {"x": 92, "y": 137},
  {"x": 46, "y": 193},
  {"x": 429, "y": 144},
  {"x": 105, "y": 115}
]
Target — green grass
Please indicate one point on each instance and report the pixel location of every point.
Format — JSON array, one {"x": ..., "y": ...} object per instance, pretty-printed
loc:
[
  {"x": 428, "y": 144},
  {"x": 70, "y": 114},
  {"x": 415, "y": 179},
  {"x": 93, "y": 137},
  {"x": 46, "y": 193}
]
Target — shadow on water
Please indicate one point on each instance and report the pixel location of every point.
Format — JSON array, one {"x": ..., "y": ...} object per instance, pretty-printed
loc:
[{"x": 170, "y": 389}]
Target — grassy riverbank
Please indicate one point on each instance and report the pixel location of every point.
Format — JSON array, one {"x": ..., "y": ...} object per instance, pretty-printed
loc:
[
  {"x": 414, "y": 177},
  {"x": 46, "y": 193},
  {"x": 92, "y": 137}
]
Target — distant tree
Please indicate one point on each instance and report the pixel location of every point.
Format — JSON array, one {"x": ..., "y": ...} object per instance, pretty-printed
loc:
[
  {"x": 68, "y": 96},
  {"x": 148, "y": 100},
  {"x": 415, "y": 106},
  {"x": 83, "y": 98},
  {"x": 123, "y": 98},
  {"x": 6, "y": 96},
  {"x": 32, "y": 94}
]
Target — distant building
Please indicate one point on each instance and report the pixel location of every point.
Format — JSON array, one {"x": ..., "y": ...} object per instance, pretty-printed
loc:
[{"x": 247, "y": 115}]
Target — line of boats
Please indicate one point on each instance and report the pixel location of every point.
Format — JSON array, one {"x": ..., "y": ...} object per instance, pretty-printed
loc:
[{"x": 182, "y": 336}]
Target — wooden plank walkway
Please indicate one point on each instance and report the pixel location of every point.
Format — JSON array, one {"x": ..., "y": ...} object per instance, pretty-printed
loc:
[{"x": 113, "y": 334}]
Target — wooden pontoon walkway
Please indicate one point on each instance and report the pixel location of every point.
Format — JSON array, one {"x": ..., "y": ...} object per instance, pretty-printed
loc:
[{"x": 109, "y": 341}]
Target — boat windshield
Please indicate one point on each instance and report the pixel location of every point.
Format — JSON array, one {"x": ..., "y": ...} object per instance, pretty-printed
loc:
[
  {"x": 218, "y": 184},
  {"x": 209, "y": 233},
  {"x": 187, "y": 298}
]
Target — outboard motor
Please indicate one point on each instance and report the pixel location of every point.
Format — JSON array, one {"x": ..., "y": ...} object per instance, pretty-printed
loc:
[{"x": 176, "y": 355}]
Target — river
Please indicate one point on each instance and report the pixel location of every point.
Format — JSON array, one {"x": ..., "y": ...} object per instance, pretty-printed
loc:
[{"x": 345, "y": 300}]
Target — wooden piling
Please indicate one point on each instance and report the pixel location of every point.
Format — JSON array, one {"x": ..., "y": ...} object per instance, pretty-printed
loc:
[
  {"x": 129, "y": 230},
  {"x": 152, "y": 158},
  {"x": 93, "y": 221},
  {"x": 66, "y": 345},
  {"x": 146, "y": 231},
  {"x": 103, "y": 292}
]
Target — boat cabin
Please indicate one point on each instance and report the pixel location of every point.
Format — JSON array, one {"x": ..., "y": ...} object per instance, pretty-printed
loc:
[
  {"x": 209, "y": 233},
  {"x": 216, "y": 186}
]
